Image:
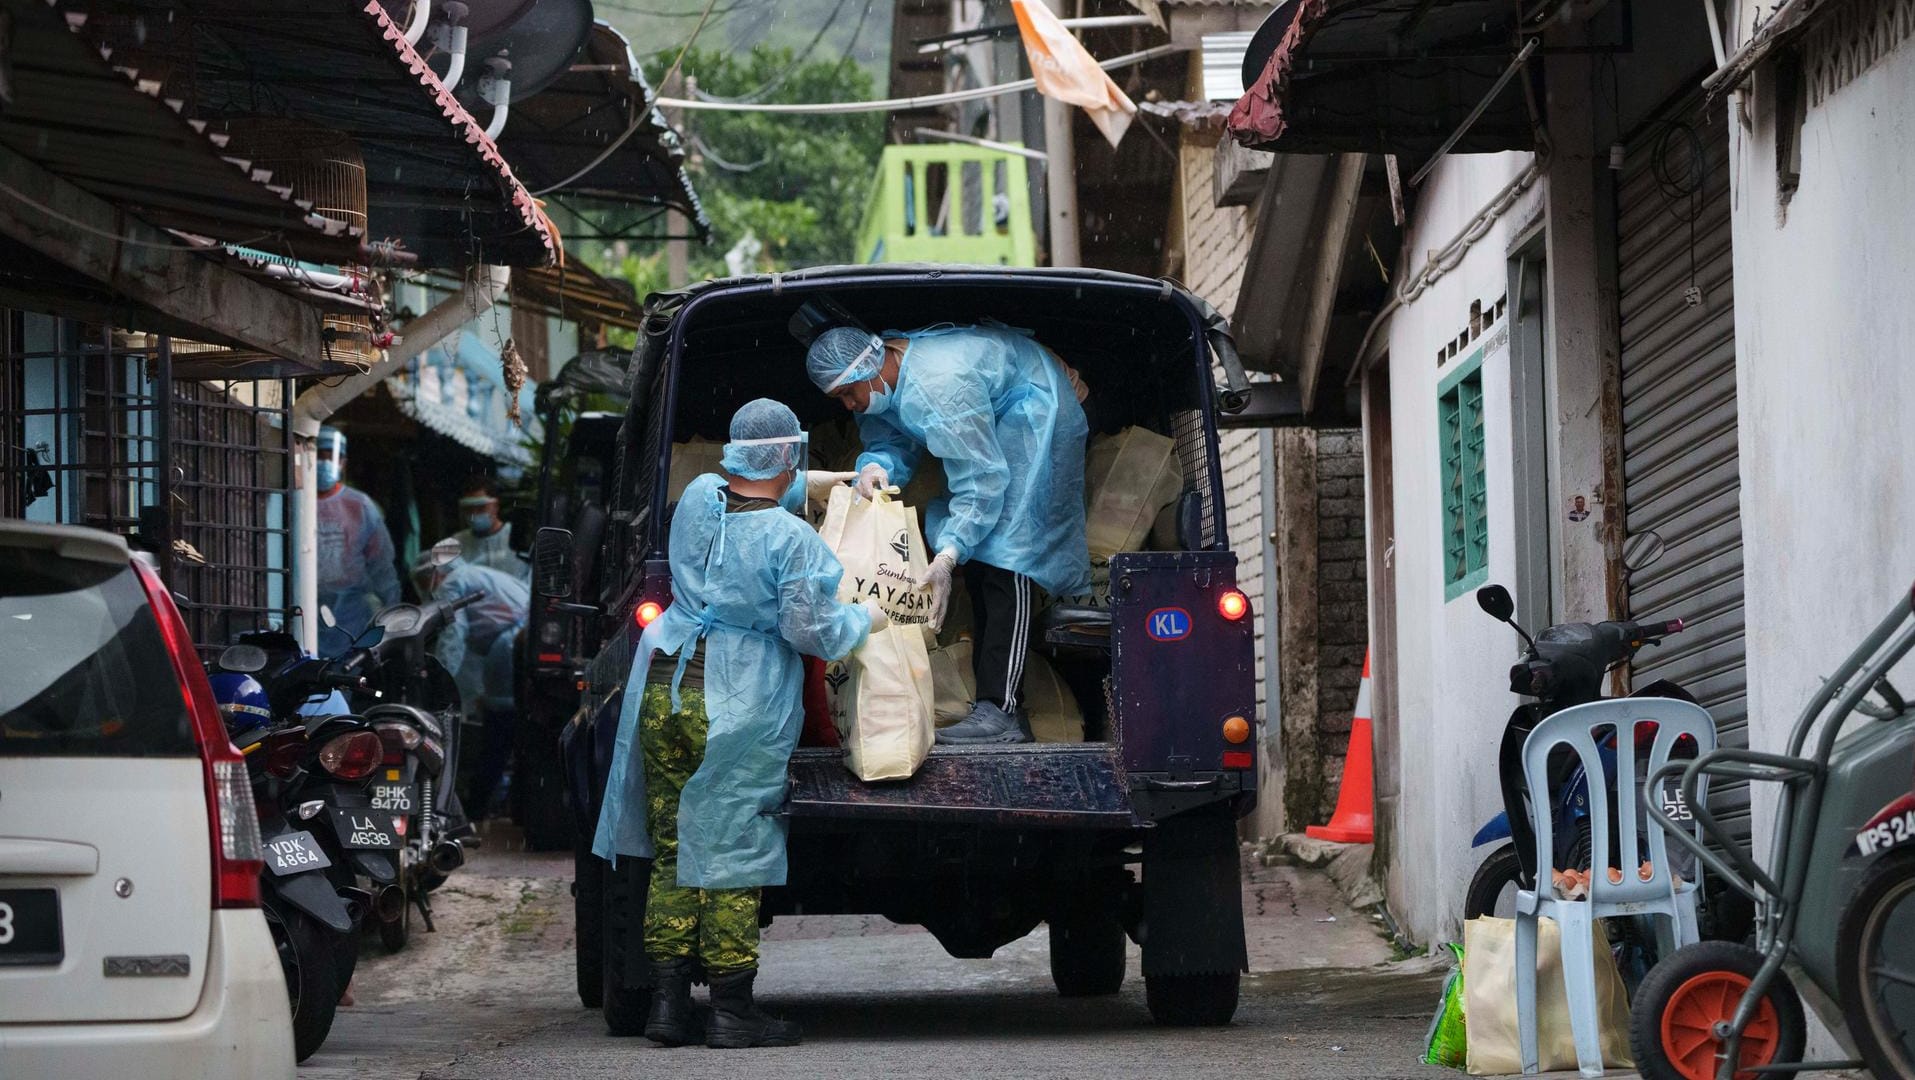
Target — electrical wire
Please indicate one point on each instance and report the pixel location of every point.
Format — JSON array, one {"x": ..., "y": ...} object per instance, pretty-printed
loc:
[
  {"x": 712, "y": 156},
  {"x": 108, "y": 234},
  {"x": 797, "y": 61}
]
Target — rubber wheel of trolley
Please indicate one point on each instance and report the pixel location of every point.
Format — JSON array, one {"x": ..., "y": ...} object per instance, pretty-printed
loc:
[
  {"x": 1496, "y": 881},
  {"x": 1875, "y": 966},
  {"x": 1087, "y": 954},
  {"x": 1673, "y": 1018}
]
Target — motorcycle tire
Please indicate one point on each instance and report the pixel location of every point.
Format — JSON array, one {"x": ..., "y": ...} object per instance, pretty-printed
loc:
[
  {"x": 1875, "y": 932},
  {"x": 394, "y": 933},
  {"x": 305, "y": 957},
  {"x": 1673, "y": 1016},
  {"x": 1500, "y": 872}
]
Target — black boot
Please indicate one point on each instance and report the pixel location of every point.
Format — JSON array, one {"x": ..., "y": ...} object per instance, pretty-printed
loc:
[
  {"x": 670, "y": 1021},
  {"x": 736, "y": 1023}
]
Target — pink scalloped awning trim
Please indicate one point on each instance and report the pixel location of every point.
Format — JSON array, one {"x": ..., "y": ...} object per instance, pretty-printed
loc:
[{"x": 462, "y": 121}]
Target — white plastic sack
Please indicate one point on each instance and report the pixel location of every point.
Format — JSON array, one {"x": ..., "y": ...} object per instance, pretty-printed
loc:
[
  {"x": 1129, "y": 478},
  {"x": 881, "y": 695}
]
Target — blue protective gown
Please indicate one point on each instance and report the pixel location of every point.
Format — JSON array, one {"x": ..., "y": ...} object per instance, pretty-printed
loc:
[
  {"x": 998, "y": 411},
  {"x": 761, "y": 589},
  {"x": 476, "y": 647},
  {"x": 357, "y": 575}
]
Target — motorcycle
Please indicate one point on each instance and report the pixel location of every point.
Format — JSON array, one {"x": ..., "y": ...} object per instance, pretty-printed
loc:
[
  {"x": 413, "y": 706},
  {"x": 1562, "y": 666},
  {"x": 1836, "y": 897},
  {"x": 312, "y": 911}
]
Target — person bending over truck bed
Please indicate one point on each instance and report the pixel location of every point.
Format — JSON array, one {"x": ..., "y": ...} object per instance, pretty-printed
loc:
[
  {"x": 1002, "y": 414},
  {"x": 715, "y": 739}
]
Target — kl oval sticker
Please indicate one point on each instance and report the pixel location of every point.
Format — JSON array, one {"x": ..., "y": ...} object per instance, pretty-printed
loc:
[{"x": 1168, "y": 624}]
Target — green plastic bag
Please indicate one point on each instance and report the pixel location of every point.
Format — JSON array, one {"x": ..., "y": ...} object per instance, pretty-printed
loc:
[{"x": 1447, "y": 1044}]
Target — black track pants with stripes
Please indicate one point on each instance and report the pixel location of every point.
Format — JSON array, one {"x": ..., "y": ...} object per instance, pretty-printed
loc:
[{"x": 1001, "y": 612}]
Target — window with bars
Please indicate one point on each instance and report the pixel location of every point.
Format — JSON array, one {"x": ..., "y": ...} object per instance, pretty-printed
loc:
[
  {"x": 1460, "y": 454},
  {"x": 96, "y": 431}
]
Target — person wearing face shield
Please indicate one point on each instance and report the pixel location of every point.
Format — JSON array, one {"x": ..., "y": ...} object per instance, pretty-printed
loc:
[
  {"x": 357, "y": 574},
  {"x": 1005, "y": 417},
  {"x": 711, "y": 715},
  {"x": 487, "y": 538},
  {"x": 477, "y": 648}
]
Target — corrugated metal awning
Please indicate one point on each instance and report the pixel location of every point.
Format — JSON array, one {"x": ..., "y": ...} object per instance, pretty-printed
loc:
[
  {"x": 82, "y": 113},
  {"x": 594, "y": 136},
  {"x": 434, "y": 181},
  {"x": 1223, "y": 64},
  {"x": 1384, "y": 76},
  {"x": 456, "y": 389},
  {"x": 577, "y": 293}
]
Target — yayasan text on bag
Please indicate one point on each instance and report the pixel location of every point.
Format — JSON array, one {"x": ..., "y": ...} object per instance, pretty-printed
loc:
[{"x": 881, "y": 695}]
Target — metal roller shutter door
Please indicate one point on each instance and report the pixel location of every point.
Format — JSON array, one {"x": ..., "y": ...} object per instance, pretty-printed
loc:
[{"x": 1679, "y": 416}]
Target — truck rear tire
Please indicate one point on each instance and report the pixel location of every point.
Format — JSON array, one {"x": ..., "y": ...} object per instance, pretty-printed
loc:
[
  {"x": 588, "y": 913},
  {"x": 1087, "y": 954},
  {"x": 627, "y": 993},
  {"x": 1192, "y": 1000}
]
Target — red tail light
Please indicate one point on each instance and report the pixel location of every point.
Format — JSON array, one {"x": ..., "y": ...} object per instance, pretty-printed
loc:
[
  {"x": 396, "y": 739},
  {"x": 352, "y": 756},
  {"x": 283, "y": 753},
  {"x": 1238, "y": 759},
  {"x": 1233, "y": 605},
  {"x": 648, "y": 612},
  {"x": 231, "y": 820}
]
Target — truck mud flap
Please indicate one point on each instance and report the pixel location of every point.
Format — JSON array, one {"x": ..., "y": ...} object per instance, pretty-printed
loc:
[{"x": 1193, "y": 895}]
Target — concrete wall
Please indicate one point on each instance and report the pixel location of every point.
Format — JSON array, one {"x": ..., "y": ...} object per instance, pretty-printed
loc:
[
  {"x": 1824, "y": 333},
  {"x": 1451, "y": 695}
]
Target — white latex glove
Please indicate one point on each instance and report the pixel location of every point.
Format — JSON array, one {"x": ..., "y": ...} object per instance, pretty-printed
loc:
[
  {"x": 871, "y": 478},
  {"x": 937, "y": 578},
  {"x": 879, "y": 620},
  {"x": 818, "y": 485}
]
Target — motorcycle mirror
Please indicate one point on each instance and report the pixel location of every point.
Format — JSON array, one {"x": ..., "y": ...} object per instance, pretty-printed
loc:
[
  {"x": 325, "y": 616},
  {"x": 1642, "y": 550},
  {"x": 243, "y": 659},
  {"x": 1496, "y": 602}
]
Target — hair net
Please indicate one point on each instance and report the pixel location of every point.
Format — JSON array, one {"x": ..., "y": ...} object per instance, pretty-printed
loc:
[
  {"x": 843, "y": 355},
  {"x": 765, "y": 441}
]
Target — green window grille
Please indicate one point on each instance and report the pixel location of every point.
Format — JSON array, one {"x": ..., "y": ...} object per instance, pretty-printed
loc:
[{"x": 1460, "y": 454}]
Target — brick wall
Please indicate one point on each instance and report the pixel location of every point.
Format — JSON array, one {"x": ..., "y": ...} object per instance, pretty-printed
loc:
[{"x": 1342, "y": 613}]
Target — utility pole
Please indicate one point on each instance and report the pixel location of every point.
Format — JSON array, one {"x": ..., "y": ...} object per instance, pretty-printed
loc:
[
  {"x": 1060, "y": 174},
  {"x": 678, "y": 249}
]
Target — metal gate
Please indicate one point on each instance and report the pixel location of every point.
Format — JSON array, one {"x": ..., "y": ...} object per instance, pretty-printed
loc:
[
  {"x": 95, "y": 431},
  {"x": 1679, "y": 414}
]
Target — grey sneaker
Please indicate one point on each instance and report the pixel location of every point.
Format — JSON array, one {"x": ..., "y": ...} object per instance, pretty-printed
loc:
[{"x": 987, "y": 724}]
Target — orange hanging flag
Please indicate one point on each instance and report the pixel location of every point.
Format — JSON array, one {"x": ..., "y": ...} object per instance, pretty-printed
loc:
[{"x": 1066, "y": 72}]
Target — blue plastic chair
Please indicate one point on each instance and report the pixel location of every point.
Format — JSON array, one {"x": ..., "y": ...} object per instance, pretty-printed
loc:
[{"x": 1581, "y": 728}]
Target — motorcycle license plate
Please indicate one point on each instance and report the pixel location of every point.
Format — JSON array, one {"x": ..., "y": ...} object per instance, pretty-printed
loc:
[
  {"x": 394, "y": 798},
  {"x": 294, "y": 853},
  {"x": 363, "y": 828},
  {"x": 30, "y": 927}
]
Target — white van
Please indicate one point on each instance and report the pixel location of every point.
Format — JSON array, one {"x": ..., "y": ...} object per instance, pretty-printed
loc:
[{"x": 131, "y": 938}]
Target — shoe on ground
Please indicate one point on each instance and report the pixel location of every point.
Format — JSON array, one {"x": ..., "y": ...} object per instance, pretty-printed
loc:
[
  {"x": 671, "y": 1021},
  {"x": 986, "y": 726},
  {"x": 737, "y": 1023}
]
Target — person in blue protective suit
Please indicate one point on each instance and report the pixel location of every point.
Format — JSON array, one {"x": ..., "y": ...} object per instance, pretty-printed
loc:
[
  {"x": 705, "y": 739},
  {"x": 1004, "y": 416},
  {"x": 357, "y": 575},
  {"x": 487, "y": 538},
  {"x": 478, "y": 647}
]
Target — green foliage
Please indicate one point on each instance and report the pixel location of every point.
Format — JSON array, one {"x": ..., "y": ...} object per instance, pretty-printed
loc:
[{"x": 797, "y": 183}]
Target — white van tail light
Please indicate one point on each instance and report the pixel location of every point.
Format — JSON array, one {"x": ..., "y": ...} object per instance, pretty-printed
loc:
[{"x": 232, "y": 822}]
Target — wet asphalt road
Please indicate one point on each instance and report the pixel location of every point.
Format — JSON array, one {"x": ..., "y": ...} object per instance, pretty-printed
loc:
[{"x": 490, "y": 995}]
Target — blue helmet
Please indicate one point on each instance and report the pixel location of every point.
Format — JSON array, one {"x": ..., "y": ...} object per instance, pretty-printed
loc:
[{"x": 242, "y": 701}]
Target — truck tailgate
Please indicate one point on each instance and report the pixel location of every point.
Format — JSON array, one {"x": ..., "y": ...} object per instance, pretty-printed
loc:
[{"x": 1033, "y": 785}]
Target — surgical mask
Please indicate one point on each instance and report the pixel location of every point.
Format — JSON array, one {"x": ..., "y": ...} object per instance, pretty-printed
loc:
[
  {"x": 481, "y": 523},
  {"x": 882, "y": 399},
  {"x": 327, "y": 473}
]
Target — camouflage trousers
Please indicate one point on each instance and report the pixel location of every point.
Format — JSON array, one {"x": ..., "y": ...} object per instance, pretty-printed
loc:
[{"x": 717, "y": 926}]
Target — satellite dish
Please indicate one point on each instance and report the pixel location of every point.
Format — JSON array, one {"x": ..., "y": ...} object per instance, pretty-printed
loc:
[
  {"x": 538, "y": 47},
  {"x": 483, "y": 17},
  {"x": 1256, "y": 56}
]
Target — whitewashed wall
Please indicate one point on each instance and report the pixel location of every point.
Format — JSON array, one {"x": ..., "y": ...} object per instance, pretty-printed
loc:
[{"x": 1452, "y": 660}]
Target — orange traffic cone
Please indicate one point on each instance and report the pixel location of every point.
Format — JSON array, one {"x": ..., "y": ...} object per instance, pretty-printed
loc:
[{"x": 1355, "y": 819}]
